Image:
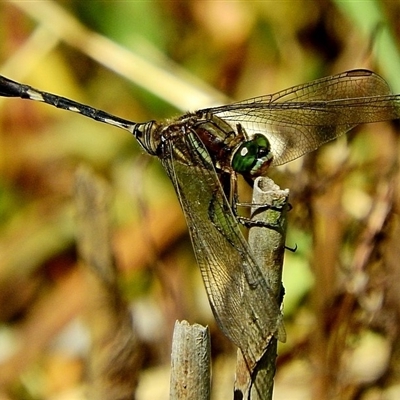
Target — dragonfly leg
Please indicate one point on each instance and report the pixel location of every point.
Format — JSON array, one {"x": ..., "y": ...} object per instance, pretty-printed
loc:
[
  {"x": 249, "y": 223},
  {"x": 292, "y": 249}
]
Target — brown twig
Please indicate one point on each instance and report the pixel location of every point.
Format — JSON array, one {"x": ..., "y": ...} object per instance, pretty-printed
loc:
[
  {"x": 268, "y": 247},
  {"x": 190, "y": 362},
  {"x": 115, "y": 356}
]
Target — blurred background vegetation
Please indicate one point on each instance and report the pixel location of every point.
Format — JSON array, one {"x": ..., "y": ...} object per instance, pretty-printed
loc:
[{"x": 160, "y": 58}]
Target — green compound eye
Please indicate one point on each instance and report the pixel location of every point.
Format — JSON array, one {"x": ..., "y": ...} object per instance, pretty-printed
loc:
[{"x": 252, "y": 156}]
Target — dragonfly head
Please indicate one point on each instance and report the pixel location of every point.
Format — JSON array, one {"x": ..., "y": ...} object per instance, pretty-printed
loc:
[{"x": 252, "y": 157}]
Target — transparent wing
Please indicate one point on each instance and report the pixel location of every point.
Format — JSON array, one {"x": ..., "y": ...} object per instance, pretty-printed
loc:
[
  {"x": 300, "y": 119},
  {"x": 240, "y": 298}
]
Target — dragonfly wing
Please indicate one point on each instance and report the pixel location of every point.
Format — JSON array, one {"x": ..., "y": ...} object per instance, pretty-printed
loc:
[
  {"x": 300, "y": 119},
  {"x": 350, "y": 84},
  {"x": 240, "y": 298}
]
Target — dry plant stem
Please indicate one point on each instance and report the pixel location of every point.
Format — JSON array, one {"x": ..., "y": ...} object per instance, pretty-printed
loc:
[
  {"x": 115, "y": 356},
  {"x": 190, "y": 362},
  {"x": 268, "y": 247},
  {"x": 161, "y": 77}
]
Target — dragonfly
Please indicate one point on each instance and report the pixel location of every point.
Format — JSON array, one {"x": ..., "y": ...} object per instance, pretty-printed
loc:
[{"x": 204, "y": 151}]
